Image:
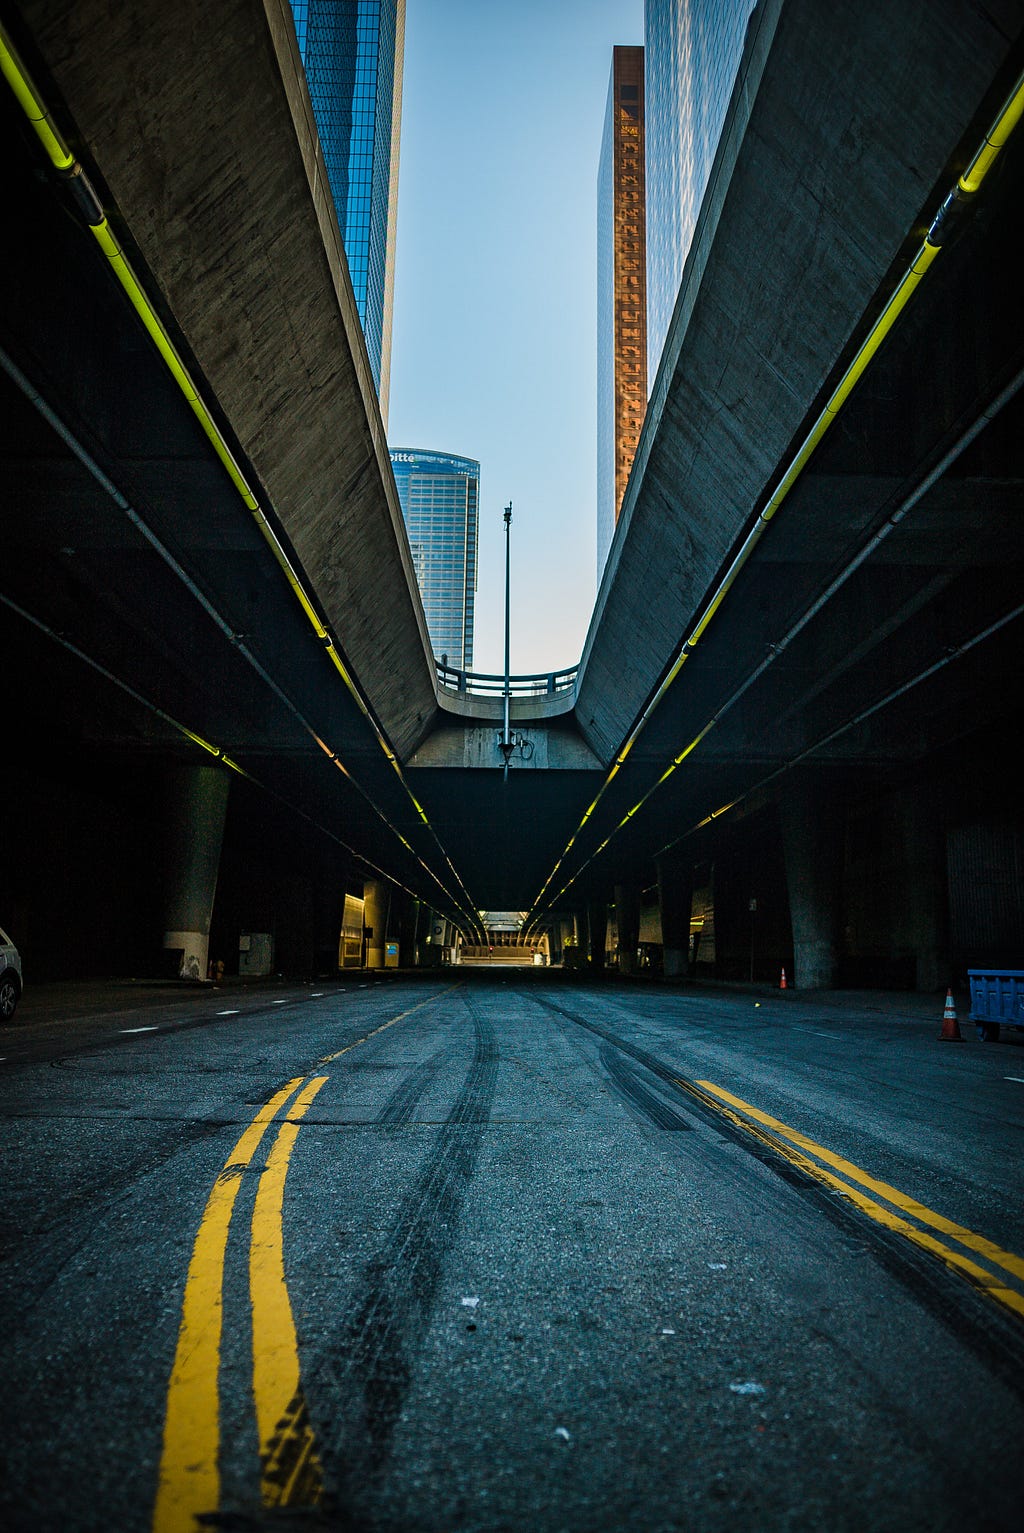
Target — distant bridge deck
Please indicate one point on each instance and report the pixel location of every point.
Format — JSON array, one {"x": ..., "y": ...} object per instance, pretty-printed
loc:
[{"x": 481, "y": 694}]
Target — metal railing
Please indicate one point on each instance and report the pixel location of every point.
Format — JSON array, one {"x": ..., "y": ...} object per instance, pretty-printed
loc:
[{"x": 479, "y": 684}]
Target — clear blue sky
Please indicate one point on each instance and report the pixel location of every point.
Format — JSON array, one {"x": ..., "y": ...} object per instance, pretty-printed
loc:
[{"x": 494, "y": 349}]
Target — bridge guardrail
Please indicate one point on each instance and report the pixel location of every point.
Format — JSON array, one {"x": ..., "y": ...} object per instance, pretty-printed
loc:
[{"x": 482, "y": 684}]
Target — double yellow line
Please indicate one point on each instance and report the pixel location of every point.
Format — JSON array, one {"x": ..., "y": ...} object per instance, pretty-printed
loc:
[
  {"x": 189, "y": 1482},
  {"x": 814, "y": 1159},
  {"x": 189, "y": 1478}
]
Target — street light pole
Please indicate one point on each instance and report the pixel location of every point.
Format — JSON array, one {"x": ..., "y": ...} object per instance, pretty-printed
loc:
[{"x": 507, "y": 744}]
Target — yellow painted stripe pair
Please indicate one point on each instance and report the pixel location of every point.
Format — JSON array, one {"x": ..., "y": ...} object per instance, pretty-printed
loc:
[
  {"x": 814, "y": 1159},
  {"x": 189, "y": 1479},
  {"x": 189, "y": 1482}
]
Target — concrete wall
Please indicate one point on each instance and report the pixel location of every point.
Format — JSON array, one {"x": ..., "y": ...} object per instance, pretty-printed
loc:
[
  {"x": 80, "y": 892},
  {"x": 279, "y": 875},
  {"x": 522, "y": 710},
  {"x": 475, "y": 746}
]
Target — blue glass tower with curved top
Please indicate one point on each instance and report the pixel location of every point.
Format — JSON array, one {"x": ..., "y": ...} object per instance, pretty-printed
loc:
[
  {"x": 440, "y": 496},
  {"x": 352, "y": 52}
]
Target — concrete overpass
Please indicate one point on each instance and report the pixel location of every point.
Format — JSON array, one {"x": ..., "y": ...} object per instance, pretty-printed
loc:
[{"x": 236, "y": 572}]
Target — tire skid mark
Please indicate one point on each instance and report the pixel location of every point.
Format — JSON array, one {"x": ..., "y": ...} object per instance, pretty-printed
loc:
[
  {"x": 290, "y": 1467},
  {"x": 994, "y": 1336},
  {"x": 373, "y": 1364},
  {"x": 400, "y": 1106},
  {"x": 628, "y": 1083},
  {"x": 666, "y": 1073}
]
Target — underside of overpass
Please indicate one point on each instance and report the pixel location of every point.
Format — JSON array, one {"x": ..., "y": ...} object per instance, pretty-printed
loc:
[{"x": 862, "y": 668}]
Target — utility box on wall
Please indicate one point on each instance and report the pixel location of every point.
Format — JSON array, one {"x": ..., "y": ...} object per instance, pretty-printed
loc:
[
  {"x": 255, "y": 952},
  {"x": 391, "y": 955}
]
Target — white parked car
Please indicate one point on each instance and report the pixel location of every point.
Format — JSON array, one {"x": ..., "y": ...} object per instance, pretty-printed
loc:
[{"x": 10, "y": 977}]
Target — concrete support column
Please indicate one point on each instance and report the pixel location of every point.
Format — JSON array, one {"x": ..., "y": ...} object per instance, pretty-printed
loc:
[
  {"x": 575, "y": 949},
  {"x": 597, "y": 934},
  {"x": 407, "y": 933},
  {"x": 375, "y": 908},
  {"x": 566, "y": 930},
  {"x": 295, "y": 924},
  {"x": 197, "y": 802},
  {"x": 431, "y": 937},
  {"x": 675, "y": 897},
  {"x": 812, "y": 850},
  {"x": 426, "y": 941},
  {"x": 627, "y": 920},
  {"x": 329, "y": 906},
  {"x": 926, "y": 891}
]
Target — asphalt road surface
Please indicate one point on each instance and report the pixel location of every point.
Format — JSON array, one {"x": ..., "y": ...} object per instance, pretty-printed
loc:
[{"x": 497, "y": 1250}]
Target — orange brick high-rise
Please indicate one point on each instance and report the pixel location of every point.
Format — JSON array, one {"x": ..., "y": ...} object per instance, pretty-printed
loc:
[{"x": 622, "y": 289}]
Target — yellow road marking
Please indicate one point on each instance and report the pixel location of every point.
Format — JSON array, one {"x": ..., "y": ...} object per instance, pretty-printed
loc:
[
  {"x": 290, "y": 1468},
  {"x": 968, "y": 1238},
  {"x": 189, "y": 1481},
  {"x": 189, "y": 1476},
  {"x": 329, "y": 1058},
  {"x": 715, "y": 1096}
]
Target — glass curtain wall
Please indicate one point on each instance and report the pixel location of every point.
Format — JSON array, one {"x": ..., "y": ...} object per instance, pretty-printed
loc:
[
  {"x": 440, "y": 497},
  {"x": 352, "y": 52},
  {"x": 693, "y": 50}
]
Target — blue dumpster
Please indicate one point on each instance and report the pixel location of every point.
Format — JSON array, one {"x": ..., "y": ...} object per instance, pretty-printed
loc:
[{"x": 997, "y": 997}]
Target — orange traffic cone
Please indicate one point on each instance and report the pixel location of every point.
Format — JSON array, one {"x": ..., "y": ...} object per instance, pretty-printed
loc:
[
  {"x": 950, "y": 1026},
  {"x": 782, "y": 981}
]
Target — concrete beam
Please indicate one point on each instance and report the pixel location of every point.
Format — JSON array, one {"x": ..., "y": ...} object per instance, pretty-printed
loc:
[
  {"x": 199, "y": 123},
  {"x": 475, "y": 746},
  {"x": 842, "y": 126}
]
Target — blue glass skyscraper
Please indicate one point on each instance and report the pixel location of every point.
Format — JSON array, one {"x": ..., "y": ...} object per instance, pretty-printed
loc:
[
  {"x": 692, "y": 51},
  {"x": 440, "y": 497},
  {"x": 352, "y": 51}
]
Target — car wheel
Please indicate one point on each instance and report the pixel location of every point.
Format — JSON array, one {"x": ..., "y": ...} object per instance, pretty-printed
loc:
[{"x": 8, "y": 997}]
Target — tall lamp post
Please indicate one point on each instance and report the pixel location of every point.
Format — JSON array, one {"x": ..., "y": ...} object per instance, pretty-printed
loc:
[{"x": 507, "y": 742}]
